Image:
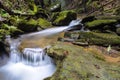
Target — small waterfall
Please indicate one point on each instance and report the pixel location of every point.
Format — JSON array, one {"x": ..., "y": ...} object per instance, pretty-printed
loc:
[
  {"x": 51, "y": 31},
  {"x": 30, "y": 63}
]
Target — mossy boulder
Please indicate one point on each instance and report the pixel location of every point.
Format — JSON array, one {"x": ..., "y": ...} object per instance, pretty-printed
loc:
[
  {"x": 28, "y": 25},
  {"x": 80, "y": 64},
  {"x": 93, "y": 38},
  {"x": 57, "y": 52},
  {"x": 43, "y": 23},
  {"x": 63, "y": 18},
  {"x": 103, "y": 39},
  {"x": 99, "y": 24}
]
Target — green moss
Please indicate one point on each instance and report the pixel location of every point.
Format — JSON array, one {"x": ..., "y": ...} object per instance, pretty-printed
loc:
[
  {"x": 15, "y": 20},
  {"x": 104, "y": 39},
  {"x": 10, "y": 29},
  {"x": 35, "y": 9},
  {"x": 44, "y": 23},
  {"x": 28, "y": 26},
  {"x": 3, "y": 13},
  {"x": 82, "y": 65},
  {"x": 64, "y": 17},
  {"x": 31, "y": 22},
  {"x": 97, "y": 23}
]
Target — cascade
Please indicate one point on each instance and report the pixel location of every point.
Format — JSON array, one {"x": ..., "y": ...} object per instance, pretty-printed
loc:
[{"x": 30, "y": 63}]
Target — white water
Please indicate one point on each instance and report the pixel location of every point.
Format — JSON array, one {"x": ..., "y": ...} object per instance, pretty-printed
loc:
[
  {"x": 31, "y": 63},
  {"x": 20, "y": 68},
  {"x": 51, "y": 31}
]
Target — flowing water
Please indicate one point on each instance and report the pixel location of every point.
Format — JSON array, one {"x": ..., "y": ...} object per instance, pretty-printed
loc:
[{"x": 30, "y": 63}]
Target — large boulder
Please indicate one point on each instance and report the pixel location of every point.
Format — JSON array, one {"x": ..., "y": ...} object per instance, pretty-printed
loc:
[
  {"x": 102, "y": 25},
  {"x": 28, "y": 25},
  {"x": 98, "y": 24},
  {"x": 78, "y": 63},
  {"x": 63, "y": 18},
  {"x": 93, "y": 38}
]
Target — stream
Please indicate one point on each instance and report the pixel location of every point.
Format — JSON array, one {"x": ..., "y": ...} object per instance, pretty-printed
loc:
[{"x": 30, "y": 63}]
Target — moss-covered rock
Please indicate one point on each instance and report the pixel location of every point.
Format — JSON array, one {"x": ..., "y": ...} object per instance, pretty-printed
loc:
[
  {"x": 80, "y": 64},
  {"x": 43, "y": 23},
  {"x": 28, "y": 26},
  {"x": 93, "y": 38},
  {"x": 63, "y": 18},
  {"x": 99, "y": 23},
  {"x": 104, "y": 39}
]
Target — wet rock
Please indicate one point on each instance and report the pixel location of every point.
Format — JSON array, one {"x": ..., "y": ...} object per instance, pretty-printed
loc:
[
  {"x": 4, "y": 49},
  {"x": 81, "y": 43},
  {"x": 88, "y": 19},
  {"x": 63, "y": 18}
]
